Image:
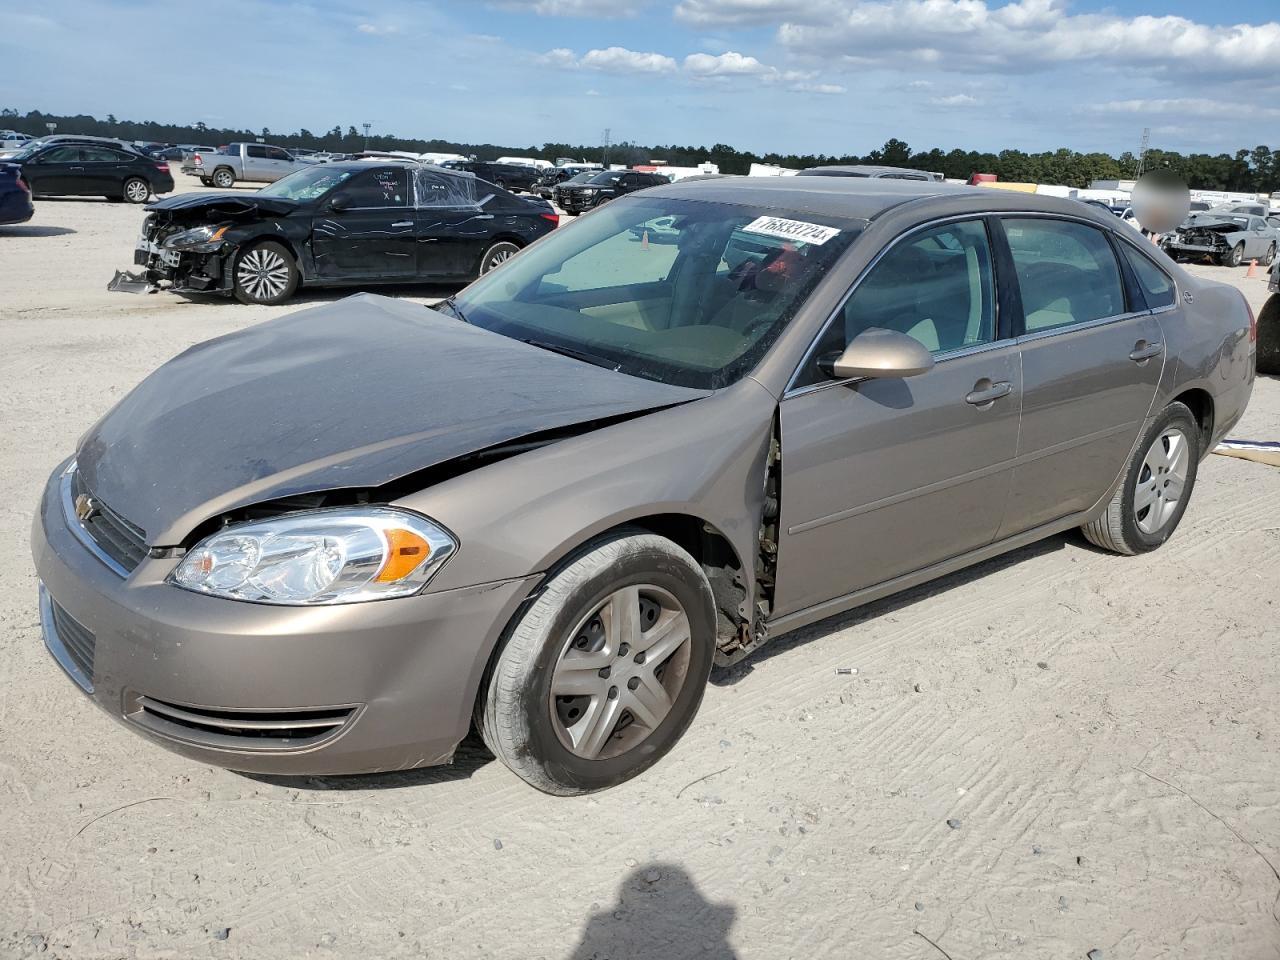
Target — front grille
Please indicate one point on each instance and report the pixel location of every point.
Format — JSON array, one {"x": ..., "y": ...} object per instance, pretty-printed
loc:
[
  {"x": 115, "y": 536},
  {"x": 241, "y": 729},
  {"x": 76, "y": 638}
]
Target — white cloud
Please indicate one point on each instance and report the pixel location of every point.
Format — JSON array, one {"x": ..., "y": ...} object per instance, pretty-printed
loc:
[
  {"x": 376, "y": 30},
  {"x": 1187, "y": 107},
  {"x": 569, "y": 8},
  {"x": 955, "y": 100},
  {"x": 559, "y": 57},
  {"x": 727, "y": 64},
  {"x": 622, "y": 60},
  {"x": 1026, "y": 35},
  {"x": 748, "y": 12},
  {"x": 826, "y": 89}
]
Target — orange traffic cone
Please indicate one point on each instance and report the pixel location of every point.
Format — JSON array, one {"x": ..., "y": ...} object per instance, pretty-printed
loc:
[
  {"x": 644, "y": 240},
  {"x": 1253, "y": 270}
]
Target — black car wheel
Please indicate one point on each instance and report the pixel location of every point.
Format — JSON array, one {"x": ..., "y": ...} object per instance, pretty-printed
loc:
[
  {"x": 265, "y": 274},
  {"x": 1235, "y": 256},
  {"x": 605, "y": 669},
  {"x": 206, "y": 181},
  {"x": 223, "y": 178},
  {"x": 497, "y": 255},
  {"x": 1269, "y": 336},
  {"x": 1269, "y": 257},
  {"x": 137, "y": 190}
]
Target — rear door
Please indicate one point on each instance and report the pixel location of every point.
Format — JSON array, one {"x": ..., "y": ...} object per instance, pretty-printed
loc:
[
  {"x": 882, "y": 477},
  {"x": 104, "y": 171},
  {"x": 453, "y": 224},
  {"x": 372, "y": 236},
  {"x": 1092, "y": 355}
]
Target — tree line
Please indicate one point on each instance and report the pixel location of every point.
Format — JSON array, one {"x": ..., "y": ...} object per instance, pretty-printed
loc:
[{"x": 1246, "y": 171}]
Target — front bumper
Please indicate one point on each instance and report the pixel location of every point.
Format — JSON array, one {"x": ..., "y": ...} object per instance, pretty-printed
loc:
[
  {"x": 394, "y": 681},
  {"x": 182, "y": 272}
]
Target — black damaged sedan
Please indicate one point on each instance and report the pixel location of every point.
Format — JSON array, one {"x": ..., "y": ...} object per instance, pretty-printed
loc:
[{"x": 335, "y": 224}]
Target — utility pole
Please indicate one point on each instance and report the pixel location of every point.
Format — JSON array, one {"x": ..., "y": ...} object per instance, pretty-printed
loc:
[
  {"x": 605, "y": 140},
  {"x": 366, "y": 134},
  {"x": 1142, "y": 152}
]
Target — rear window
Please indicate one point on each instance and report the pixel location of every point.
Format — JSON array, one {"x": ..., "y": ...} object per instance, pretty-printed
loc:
[{"x": 1067, "y": 272}]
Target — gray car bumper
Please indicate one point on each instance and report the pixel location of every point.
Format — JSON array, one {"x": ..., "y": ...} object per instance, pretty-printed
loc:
[{"x": 353, "y": 688}]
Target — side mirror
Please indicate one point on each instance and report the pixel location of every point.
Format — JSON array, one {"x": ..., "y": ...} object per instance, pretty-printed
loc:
[
  {"x": 883, "y": 354},
  {"x": 339, "y": 203}
]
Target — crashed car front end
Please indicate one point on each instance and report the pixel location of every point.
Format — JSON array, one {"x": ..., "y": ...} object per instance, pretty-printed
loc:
[
  {"x": 1198, "y": 237},
  {"x": 181, "y": 258}
]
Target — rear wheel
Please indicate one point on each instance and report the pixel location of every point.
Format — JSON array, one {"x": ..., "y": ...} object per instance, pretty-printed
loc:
[
  {"x": 1269, "y": 257},
  {"x": 137, "y": 190},
  {"x": 1156, "y": 488},
  {"x": 206, "y": 181},
  {"x": 1234, "y": 257},
  {"x": 497, "y": 255},
  {"x": 265, "y": 274},
  {"x": 1269, "y": 336},
  {"x": 604, "y": 671},
  {"x": 223, "y": 178}
]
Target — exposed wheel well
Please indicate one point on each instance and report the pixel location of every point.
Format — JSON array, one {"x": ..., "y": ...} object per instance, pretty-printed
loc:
[{"x": 1200, "y": 403}]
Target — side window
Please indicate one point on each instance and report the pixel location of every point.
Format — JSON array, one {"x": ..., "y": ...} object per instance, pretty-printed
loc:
[
  {"x": 255, "y": 150},
  {"x": 99, "y": 155},
  {"x": 1156, "y": 285},
  {"x": 61, "y": 155},
  {"x": 441, "y": 190},
  {"x": 384, "y": 187},
  {"x": 937, "y": 287},
  {"x": 275, "y": 153},
  {"x": 1066, "y": 272}
]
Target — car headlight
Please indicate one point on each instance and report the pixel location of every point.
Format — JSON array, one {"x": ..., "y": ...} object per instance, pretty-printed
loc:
[
  {"x": 343, "y": 555},
  {"x": 199, "y": 240}
]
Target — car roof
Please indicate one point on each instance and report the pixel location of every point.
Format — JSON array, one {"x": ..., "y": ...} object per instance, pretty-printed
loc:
[
  {"x": 861, "y": 198},
  {"x": 862, "y": 169}
]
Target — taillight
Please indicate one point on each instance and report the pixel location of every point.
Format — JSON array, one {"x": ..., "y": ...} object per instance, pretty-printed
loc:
[
  {"x": 164, "y": 167},
  {"x": 22, "y": 184},
  {"x": 197, "y": 161},
  {"x": 553, "y": 217}
]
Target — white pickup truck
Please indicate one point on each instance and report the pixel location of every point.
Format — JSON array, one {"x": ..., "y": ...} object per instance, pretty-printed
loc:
[{"x": 256, "y": 162}]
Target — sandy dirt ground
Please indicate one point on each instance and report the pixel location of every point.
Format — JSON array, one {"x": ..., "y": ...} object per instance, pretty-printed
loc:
[{"x": 1057, "y": 752}]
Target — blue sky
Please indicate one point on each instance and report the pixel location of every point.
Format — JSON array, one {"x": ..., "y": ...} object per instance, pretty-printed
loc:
[{"x": 830, "y": 76}]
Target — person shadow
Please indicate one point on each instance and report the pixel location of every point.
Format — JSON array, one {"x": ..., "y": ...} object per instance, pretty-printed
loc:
[{"x": 659, "y": 914}]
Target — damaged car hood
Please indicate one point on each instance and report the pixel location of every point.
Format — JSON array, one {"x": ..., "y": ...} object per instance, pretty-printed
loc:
[
  {"x": 222, "y": 205},
  {"x": 353, "y": 394}
]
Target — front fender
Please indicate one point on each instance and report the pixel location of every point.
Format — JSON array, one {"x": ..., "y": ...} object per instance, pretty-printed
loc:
[{"x": 704, "y": 459}]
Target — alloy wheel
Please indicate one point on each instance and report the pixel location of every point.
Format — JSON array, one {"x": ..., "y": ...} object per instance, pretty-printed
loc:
[
  {"x": 263, "y": 274},
  {"x": 498, "y": 256},
  {"x": 137, "y": 191},
  {"x": 1161, "y": 481},
  {"x": 621, "y": 669}
]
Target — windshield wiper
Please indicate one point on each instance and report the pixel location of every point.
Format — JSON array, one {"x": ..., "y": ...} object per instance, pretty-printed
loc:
[
  {"x": 451, "y": 303},
  {"x": 571, "y": 352}
]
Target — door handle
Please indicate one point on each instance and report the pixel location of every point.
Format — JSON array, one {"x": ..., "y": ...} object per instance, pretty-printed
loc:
[
  {"x": 483, "y": 216},
  {"x": 403, "y": 223},
  {"x": 77, "y": 168},
  {"x": 1143, "y": 351},
  {"x": 984, "y": 395}
]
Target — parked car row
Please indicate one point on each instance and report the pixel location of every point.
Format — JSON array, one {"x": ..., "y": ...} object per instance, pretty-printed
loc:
[{"x": 71, "y": 166}]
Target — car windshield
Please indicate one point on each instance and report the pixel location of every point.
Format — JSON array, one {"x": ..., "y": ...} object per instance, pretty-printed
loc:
[
  {"x": 26, "y": 152},
  {"x": 679, "y": 291},
  {"x": 307, "y": 184}
]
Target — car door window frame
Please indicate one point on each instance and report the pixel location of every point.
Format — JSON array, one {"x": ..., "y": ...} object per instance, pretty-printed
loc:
[
  {"x": 1135, "y": 301},
  {"x": 1124, "y": 247},
  {"x": 1002, "y": 306}
]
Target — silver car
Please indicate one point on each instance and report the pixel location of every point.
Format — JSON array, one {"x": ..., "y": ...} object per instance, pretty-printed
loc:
[
  {"x": 335, "y": 542},
  {"x": 1230, "y": 237}
]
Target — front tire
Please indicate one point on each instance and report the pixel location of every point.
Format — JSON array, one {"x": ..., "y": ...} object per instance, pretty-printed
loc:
[
  {"x": 265, "y": 274},
  {"x": 137, "y": 190},
  {"x": 1269, "y": 257},
  {"x": 1234, "y": 257},
  {"x": 1156, "y": 487},
  {"x": 605, "y": 670},
  {"x": 497, "y": 255},
  {"x": 223, "y": 178}
]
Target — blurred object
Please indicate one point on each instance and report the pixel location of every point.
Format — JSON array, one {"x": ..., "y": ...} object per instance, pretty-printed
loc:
[
  {"x": 1259, "y": 451},
  {"x": 1161, "y": 201}
]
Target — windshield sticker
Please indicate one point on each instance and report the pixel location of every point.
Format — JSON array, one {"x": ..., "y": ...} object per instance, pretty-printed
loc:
[{"x": 796, "y": 230}]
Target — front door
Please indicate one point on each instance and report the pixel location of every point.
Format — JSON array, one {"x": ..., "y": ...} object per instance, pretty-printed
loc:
[
  {"x": 371, "y": 236},
  {"x": 57, "y": 171},
  {"x": 882, "y": 477},
  {"x": 1091, "y": 362}
]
